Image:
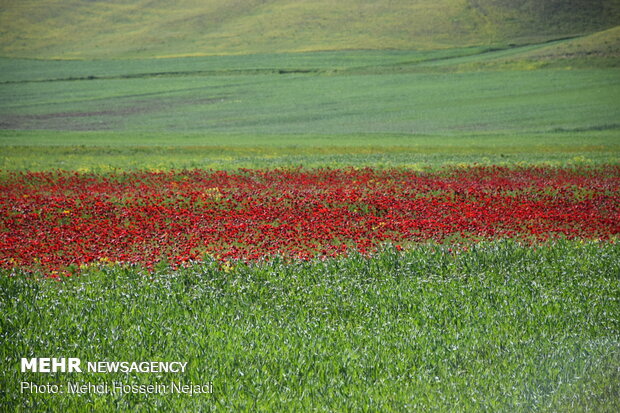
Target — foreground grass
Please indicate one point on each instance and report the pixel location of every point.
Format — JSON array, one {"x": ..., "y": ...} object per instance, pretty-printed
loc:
[{"x": 500, "y": 327}]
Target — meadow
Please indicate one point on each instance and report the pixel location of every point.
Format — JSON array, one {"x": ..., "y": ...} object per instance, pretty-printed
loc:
[
  {"x": 458, "y": 316},
  {"x": 414, "y": 109},
  {"x": 107, "y": 152},
  {"x": 323, "y": 104}
]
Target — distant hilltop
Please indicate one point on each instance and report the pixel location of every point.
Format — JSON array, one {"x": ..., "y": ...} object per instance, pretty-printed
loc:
[{"x": 86, "y": 29}]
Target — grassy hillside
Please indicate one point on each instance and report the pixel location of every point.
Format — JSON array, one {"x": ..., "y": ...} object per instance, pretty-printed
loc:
[
  {"x": 120, "y": 28},
  {"x": 601, "y": 49}
]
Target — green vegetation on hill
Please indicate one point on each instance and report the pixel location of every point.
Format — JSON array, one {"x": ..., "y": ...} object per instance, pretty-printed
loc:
[
  {"x": 104, "y": 29},
  {"x": 601, "y": 49},
  {"x": 522, "y": 19}
]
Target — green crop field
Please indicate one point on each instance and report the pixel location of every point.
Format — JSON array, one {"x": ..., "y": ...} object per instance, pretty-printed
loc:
[
  {"x": 414, "y": 109},
  {"x": 502, "y": 327},
  {"x": 537, "y": 101},
  {"x": 106, "y": 89}
]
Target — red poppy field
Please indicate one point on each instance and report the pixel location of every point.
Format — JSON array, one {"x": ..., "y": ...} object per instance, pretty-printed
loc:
[{"x": 56, "y": 222}]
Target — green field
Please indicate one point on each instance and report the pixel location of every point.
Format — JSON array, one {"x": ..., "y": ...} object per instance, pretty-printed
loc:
[
  {"x": 108, "y": 152},
  {"x": 501, "y": 327},
  {"x": 181, "y": 99},
  {"x": 394, "y": 108}
]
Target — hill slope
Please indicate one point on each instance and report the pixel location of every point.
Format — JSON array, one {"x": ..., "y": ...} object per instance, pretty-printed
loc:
[
  {"x": 597, "y": 50},
  {"x": 122, "y": 28}
]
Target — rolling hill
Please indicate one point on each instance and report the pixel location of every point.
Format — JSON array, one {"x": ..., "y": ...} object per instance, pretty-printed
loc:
[{"x": 84, "y": 29}]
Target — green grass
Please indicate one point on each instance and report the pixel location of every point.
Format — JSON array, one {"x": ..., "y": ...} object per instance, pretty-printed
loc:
[
  {"x": 534, "y": 101},
  {"x": 364, "y": 108},
  {"x": 109, "y": 151},
  {"x": 84, "y": 30},
  {"x": 500, "y": 327},
  {"x": 600, "y": 49},
  {"x": 326, "y": 62},
  {"x": 382, "y": 109}
]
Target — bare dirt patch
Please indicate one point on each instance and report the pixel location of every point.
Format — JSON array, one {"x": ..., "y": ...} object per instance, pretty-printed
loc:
[{"x": 104, "y": 119}]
